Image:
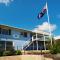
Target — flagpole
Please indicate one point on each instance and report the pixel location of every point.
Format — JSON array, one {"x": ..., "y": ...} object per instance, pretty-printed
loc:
[{"x": 49, "y": 23}]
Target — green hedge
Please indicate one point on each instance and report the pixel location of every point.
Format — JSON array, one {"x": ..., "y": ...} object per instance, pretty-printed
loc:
[
  {"x": 6, "y": 53},
  {"x": 18, "y": 52},
  {"x": 10, "y": 53},
  {"x": 1, "y": 53}
]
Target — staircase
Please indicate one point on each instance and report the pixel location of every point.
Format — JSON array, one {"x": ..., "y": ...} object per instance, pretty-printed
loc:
[
  {"x": 36, "y": 43},
  {"x": 27, "y": 44},
  {"x": 32, "y": 45}
]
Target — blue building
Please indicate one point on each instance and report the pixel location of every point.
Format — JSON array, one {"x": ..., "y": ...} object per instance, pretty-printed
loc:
[{"x": 12, "y": 37}]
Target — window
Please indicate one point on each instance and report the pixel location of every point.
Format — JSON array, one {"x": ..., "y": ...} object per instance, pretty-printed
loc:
[
  {"x": 5, "y": 31},
  {"x": 21, "y": 33},
  {"x": 2, "y": 45},
  {"x": 9, "y": 32},
  {"x": 8, "y": 45},
  {"x": 30, "y": 34},
  {"x": 25, "y": 34},
  {"x": 0, "y": 30}
]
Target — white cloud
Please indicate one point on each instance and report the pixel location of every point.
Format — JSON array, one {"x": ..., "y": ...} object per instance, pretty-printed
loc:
[
  {"x": 6, "y": 2},
  {"x": 45, "y": 27},
  {"x": 57, "y": 37}
]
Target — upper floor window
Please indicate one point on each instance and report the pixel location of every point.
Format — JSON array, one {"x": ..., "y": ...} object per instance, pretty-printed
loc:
[
  {"x": 23, "y": 34},
  {"x": 9, "y": 32},
  {"x": 0, "y": 30},
  {"x": 5, "y": 31},
  {"x": 31, "y": 34}
]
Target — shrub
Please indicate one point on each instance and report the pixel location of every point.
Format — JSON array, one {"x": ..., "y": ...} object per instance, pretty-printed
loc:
[
  {"x": 18, "y": 52},
  {"x": 6, "y": 53},
  {"x": 55, "y": 48},
  {"x": 10, "y": 53},
  {"x": 1, "y": 53}
]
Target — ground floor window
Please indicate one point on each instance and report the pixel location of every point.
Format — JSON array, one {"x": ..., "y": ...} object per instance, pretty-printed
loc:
[{"x": 6, "y": 45}]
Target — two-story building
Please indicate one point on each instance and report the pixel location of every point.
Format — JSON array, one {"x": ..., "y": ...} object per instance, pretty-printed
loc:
[{"x": 12, "y": 37}]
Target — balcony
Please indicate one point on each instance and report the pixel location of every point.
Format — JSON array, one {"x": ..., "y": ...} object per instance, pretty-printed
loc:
[{"x": 40, "y": 38}]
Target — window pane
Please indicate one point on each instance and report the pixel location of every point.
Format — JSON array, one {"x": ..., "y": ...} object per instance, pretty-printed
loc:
[
  {"x": 21, "y": 33},
  {"x": 2, "y": 45},
  {"x": 0, "y": 30},
  {"x": 9, "y": 45},
  {"x": 30, "y": 34},
  {"x": 4, "y": 31},
  {"x": 9, "y": 32},
  {"x": 25, "y": 34}
]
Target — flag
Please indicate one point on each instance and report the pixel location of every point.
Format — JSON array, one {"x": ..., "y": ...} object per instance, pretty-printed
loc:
[{"x": 41, "y": 14}]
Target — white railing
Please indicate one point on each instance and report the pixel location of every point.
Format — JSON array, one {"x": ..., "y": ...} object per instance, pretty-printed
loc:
[
  {"x": 27, "y": 43},
  {"x": 40, "y": 39}
]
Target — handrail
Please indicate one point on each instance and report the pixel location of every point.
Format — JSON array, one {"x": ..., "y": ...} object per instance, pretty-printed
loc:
[{"x": 27, "y": 44}]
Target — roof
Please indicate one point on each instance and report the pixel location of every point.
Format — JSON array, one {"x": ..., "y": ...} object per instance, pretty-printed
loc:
[
  {"x": 41, "y": 32},
  {"x": 15, "y": 28},
  {"x": 20, "y": 29}
]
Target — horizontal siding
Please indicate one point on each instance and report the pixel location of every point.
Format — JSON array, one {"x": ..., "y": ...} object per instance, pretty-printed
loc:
[{"x": 12, "y": 38}]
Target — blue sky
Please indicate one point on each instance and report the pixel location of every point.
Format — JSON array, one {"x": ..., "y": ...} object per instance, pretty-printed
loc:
[{"x": 23, "y": 14}]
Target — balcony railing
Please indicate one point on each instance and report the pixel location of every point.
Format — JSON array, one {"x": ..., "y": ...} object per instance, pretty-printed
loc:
[{"x": 41, "y": 38}]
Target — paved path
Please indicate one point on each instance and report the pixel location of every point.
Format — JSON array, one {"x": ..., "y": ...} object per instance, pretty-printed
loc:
[{"x": 25, "y": 57}]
